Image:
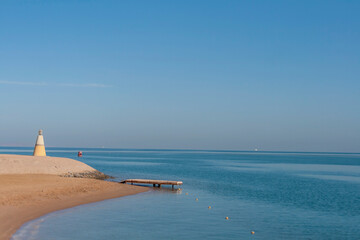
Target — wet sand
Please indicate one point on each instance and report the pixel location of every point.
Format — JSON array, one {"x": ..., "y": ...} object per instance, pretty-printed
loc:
[
  {"x": 26, "y": 194},
  {"x": 26, "y": 197}
]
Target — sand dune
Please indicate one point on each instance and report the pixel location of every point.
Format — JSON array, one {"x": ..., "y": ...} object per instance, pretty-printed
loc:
[{"x": 20, "y": 164}]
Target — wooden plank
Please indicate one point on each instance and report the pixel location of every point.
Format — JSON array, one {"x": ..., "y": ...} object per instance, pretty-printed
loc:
[{"x": 149, "y": 181}]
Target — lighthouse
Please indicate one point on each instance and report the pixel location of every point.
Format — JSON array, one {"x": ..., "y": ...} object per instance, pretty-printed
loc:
[{"x": 39, "y": 149}]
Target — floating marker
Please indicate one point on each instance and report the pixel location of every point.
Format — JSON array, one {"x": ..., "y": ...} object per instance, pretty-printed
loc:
[
  {"x": 196, "y": 199},
  {"x": 186, "y": 194},
  {"x": 252, "y": 232},
  {"x": 227, "y": 218},
  {"x": 209, "y": 207},
  {"x": 39, "y": 149}
]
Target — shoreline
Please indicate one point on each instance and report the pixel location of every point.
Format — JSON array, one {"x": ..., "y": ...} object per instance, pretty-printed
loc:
[{"x": 26, "y": 197}]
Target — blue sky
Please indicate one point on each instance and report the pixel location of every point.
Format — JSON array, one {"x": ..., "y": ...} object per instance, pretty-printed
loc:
[{"x": 272, "y": 75}]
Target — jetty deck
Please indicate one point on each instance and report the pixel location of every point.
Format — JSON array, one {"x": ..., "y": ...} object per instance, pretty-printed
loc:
[{"x": 155, "y": 183}]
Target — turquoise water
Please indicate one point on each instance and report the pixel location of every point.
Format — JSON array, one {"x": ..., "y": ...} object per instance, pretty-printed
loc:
[{"x": 278, "y": 195}]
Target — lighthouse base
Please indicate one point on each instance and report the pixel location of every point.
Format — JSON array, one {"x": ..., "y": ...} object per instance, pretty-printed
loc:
[{"x": 39, "y": 151}]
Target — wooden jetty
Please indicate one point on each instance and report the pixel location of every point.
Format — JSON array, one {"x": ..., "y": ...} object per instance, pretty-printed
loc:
[{"x": 155, "y": 183}]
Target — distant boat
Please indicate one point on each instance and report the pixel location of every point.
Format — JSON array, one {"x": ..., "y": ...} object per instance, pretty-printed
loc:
[{"x": 256, "y": 149}]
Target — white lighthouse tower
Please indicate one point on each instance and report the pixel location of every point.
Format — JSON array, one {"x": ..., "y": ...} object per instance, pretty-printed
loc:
[{"x": 39, "y": 149}]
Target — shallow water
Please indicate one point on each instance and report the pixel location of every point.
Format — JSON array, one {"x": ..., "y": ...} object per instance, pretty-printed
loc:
[{"x": 278, "y": 195}]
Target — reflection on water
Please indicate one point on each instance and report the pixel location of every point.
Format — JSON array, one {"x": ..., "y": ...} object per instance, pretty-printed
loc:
[
  {"x": 277, "y": 195},
  {"x": 129, "y": 163},
  {"x": 334, "y": 177}
]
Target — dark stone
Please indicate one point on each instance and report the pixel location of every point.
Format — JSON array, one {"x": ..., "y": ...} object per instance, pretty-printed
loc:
[{"x": 89, "y": 174}]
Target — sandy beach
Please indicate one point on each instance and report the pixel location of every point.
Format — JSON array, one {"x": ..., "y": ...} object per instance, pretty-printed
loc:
[
  {"x": 21, "y": 164},
  {"x": 30, "y": 189}
]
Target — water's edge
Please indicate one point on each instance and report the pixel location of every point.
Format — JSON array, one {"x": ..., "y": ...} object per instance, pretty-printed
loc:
[{"x": 24, "y": 226}]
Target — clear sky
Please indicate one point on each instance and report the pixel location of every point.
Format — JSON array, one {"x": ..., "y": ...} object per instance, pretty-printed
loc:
[{"x": 272, "y": 75}]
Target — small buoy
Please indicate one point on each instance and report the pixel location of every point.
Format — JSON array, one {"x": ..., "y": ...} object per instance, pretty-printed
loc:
[
  {"x": 252, "y": 232},
  {"x": 186, "y": 194},
  {"x": 196, "y": 199},
  {"x": 209, "y": 207},
  {"x": 80, "y": 154},
  {"x": 227, "y": 218}
]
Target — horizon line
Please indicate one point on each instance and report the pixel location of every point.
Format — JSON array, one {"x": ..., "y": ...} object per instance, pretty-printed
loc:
[{"x": 192, "y": 149}]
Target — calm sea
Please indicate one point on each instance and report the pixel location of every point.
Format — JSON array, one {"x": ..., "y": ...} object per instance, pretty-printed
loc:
[{"x": 278, "y": 195}]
